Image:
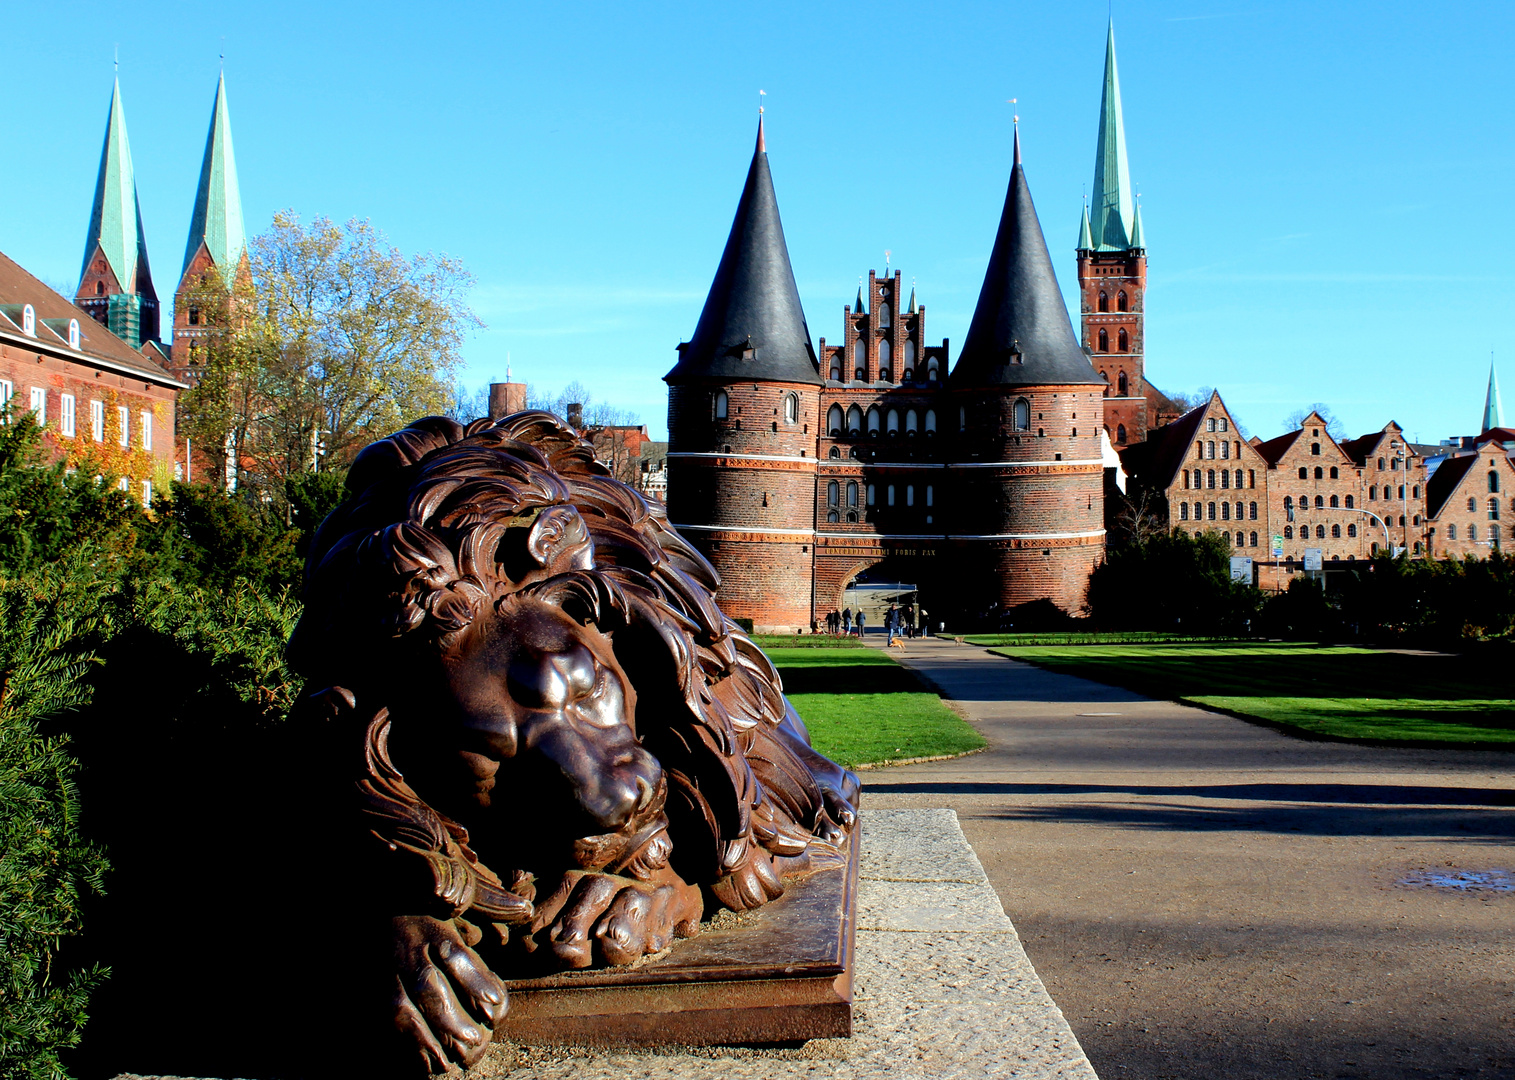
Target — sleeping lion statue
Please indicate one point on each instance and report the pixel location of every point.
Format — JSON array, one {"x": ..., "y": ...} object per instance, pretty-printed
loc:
[{"x": 568, "y": 755}]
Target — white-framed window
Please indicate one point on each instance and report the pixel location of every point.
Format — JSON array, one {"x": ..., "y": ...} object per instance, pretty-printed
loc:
[
  {"x": 124, "y": 420},
  {"x": 147, "y": 430},
  {"x": 722, "y": 404},
  {"x": 834, "y": 421},
  {"x": 73, "y": 333},
  {"x": 28, "y": 321},
  {"x": 892, "y": 422},
  {"x": 912, "y": 421},
  {"x": 39, "y": 404},
  {"x": 66, "y": 414},
  {"x": 147, "y": 494},
  {"x": 97, "y": 420},
  {"x": 930, "y": 421},
  {"x": 791, "y": 409},
  {"x": 122, "y": 484},
  {"x": 7, "y": 391}
]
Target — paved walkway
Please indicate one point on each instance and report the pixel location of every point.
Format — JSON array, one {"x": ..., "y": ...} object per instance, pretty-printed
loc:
[{"x": 1209, "y": 898}]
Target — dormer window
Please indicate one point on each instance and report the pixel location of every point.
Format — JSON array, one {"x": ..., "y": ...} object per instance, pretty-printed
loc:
[
  {"x": 28, "y": 321},
  {"x": 748, "y": 353},
  {"x": 73, "y": 333}
]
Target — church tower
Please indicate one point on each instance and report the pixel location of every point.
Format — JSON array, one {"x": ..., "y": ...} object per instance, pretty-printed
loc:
[
  {"x": 115, "y": 283},
  {"x": 743, "y": 412},
  {"x": 1112, "y": 273},
  {"x": 217, "y": 240},
  {"x": 1027, "y": 502}
]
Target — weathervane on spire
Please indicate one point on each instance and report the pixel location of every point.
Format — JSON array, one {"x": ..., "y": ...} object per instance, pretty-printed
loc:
[
  {"x": 886, "y": 262},
  {"x": 761, "y": 95}
]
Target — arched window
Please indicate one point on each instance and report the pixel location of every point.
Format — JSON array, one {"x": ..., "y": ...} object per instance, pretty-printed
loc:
[
  {"x": 1336, "y": 532},
  {"x": 930, "y": 495},
  {"x": 1210, "y": 478},
  {"x": 99, "y": 288},
  {"x": 892, "y": 423},
  {"x": 1304, "y": 473},
  {"x": 1320, "y": 532},
  {"x": 1120, "y": 300},
  {"x": 73, "y": 333},
  {"x": 1351, "y": 502},
  {"x": 1252, "y": 539},
  {"x": 1352, "y": 531},
  {"x": 909, "y": 373},
  {"x": 833, "y": 517},
  {"x": 1472, "y": 532},
  {"x": 1380, "y": 464},
  {"x": 909, "y": 494},
  {"x": 28, "y": 321},
  {"x": 1415, "y": 492},
  {"x": 1252, "y": 511},
  {"x": 962, "y": 417},
  {"x": 1123, "y": 340},
  {"x": 873, "y": 420},
  {"x": 884, "y": 353},
  {"x": 1104, "y": 300},
  {"x": 1493, "y": 482},
  {"x": 1104, "y": 340},
  {"x": 1334, "y": 475},
  {"x": 854, "y": 421},
  {"x": 1120, "y": 434},
  {"x": 791, "y": 408},
  {"x": 1319, "y": 473},
  {"x": 1186, "y": 479},
  {"x": 872, "y": 495},
  {"x": 1122, "y": 386},
  {"x": 930, "y": 423},
  {"x": 852, "y": 494},
  {"x": 1225, "y": 511},
  {"x": 1211, "y": 509},
  {"x": 1373, "y": 493},
  {"x": 860, "y": 360},
  {"x": 721, "y": 403},
  {"x": 1320, "y": 503},
  {"x": 1183, "y": 511},
  {"x": 833, "y": 493},
  {"x": 1451, "y": 532},
  {"x": 834, "y": 421},
  {"x": 836, "y": 453},
  {"x": 836, "y": 367},
  {"x": 1288, "y": 532},
  {"x": 1022, "y": 414},
  {"x": 1240, "y": 539},
  {"x": 1225, "y": 449},
  {"x": 889, "y": 495},
  {"x": 1315, "y": 449},
  {"x": 1333, "y": 502},
  {"x": 883, "y": 314},
  {"x": 932, "y": 370},
  {"x": 1210, "y": 450},
  {"x": 912, "y": 422},
  {"x": 1472, "y": 505}
]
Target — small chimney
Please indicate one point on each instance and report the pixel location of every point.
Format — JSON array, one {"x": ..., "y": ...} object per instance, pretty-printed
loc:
[
  {"x": 575, "y": 415},
  {"x": 506, "y": 398}
]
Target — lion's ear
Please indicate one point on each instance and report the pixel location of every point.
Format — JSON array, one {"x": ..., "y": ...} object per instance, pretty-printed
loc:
[{"x": 559, "y": 541}]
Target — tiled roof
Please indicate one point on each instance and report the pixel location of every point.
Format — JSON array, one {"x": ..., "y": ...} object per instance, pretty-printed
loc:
[
  {"x": 1274, "y": 449},
  {"x": 1155, "y": 463},
  {"x": 96, "y": 343},
  {"x": 1445, "y": 480}
]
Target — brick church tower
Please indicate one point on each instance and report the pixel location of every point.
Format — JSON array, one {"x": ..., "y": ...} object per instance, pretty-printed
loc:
[
  {"x": 1027, "y": 502},
  {"x": 743, "y": 412},
  {"x": 1112, "y": 276},
  {"x": 115, "y": 283},
  {"x": 217, "y": 239}
]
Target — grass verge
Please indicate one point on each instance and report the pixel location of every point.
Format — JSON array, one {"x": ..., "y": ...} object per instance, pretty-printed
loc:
[
  {"x": 1342, "y": 692},
  {"x": 1089, "y": 637},
  {"x": 769, "y": 642},
  {"x": 862, "y": 707}
]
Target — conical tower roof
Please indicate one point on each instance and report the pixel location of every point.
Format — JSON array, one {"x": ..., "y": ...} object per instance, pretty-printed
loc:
[
  {"x": 752, "y": 326},
  {"x": 1493, "y": 408},
  {"x": 1020, "y": 334},
  {"x": 115, "y": 222},
  {"x": 217, "y": 220},
  {"x": 1113, "y": 214}
]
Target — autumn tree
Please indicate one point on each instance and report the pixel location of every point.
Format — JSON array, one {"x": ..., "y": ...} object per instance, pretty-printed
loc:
[{"x": 334, "y": 339}]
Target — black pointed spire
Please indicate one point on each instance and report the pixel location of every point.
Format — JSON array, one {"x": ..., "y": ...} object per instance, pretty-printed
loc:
[
  {"x": 1020, "y": 334},
  {"x": 752, "y": 326}
]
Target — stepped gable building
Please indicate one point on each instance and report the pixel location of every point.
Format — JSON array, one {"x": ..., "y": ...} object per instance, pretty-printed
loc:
[
  {"x": 95, "y": 394},
  {"x": 217, "y": 239},
  {"x": 115, "y": 282},
  {"x": 1470, "y": 502},
  {"x": 1112, "y": 279},
  {"x": 985, "y": 486}
]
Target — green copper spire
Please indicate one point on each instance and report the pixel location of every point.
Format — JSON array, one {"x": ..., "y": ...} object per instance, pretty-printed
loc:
[
  {"x": 1114, "y": 214},
  {"x": 859, "y": 309},
  {"x": 217, "y": 222},
  {"x": 1085, "y": 241},
  {"x": 1137, "y": 241},
  {"x": 115, "y": 223},
  {"x": 911, "y": 309},
  {"x": 1493, "y": 408}
]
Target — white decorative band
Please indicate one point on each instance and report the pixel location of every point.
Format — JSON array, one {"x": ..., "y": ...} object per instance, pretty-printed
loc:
[
  {"x": 855, "y": 463},
  {"x": 1030, "y": 536},
  {"x": 753, "y": 457},
  {"x": 1022, "y": 464}
]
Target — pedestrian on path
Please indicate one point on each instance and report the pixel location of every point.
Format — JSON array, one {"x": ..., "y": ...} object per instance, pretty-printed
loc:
[
  {"x": 860, "y": 623},
  {"x": 846, "y": 620}
]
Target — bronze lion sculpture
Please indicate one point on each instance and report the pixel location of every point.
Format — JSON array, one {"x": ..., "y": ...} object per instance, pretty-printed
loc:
[{"x": 568, "y": 754}]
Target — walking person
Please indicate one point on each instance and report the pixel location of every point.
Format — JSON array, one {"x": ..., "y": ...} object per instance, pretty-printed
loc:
[
  {"x": 891, "y": 624},
  {"x": 859, "y": 621},
  {"x": 846, "y": 620}
]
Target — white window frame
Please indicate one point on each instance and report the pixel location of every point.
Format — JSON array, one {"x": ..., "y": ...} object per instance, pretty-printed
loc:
[
  {"x": 147, "y": 429},
  {"x": 66, "y": 414},
  {"x": 73, "y": 334},
  {"x": 7, "y": 392},
  {"x": 97, "y": 420},
  {"x": 147, "y": 494},
  {"x": 39, "y": 404},
  {"x": 124, "y": 417}
]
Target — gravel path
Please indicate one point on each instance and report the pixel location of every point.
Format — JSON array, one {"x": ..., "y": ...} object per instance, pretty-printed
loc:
[{"x": 1210, "y": 898}]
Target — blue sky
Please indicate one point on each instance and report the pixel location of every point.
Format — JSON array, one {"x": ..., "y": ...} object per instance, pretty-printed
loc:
[{"x": 1317, "y": 179}]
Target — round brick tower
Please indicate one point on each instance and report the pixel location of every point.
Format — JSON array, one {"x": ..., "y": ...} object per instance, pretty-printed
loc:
[
  {"x": 743, "y": 413},
  {"x": 1027, "y": 502}
]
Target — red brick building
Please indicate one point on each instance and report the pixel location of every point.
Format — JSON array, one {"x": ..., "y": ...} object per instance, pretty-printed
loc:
[
  {"x": 1471, "y": 503},
  {"x": 99, "y": 400},
  {"x": 794, "y": 472}
]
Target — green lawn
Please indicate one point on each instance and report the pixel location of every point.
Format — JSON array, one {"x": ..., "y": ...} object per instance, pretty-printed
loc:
[
  {"x": 1340, "y": 691},
  {"x": 769, "y": 642},
  {"x": 862, "y": 707},
  {"x": 1085, "y": 637}
]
